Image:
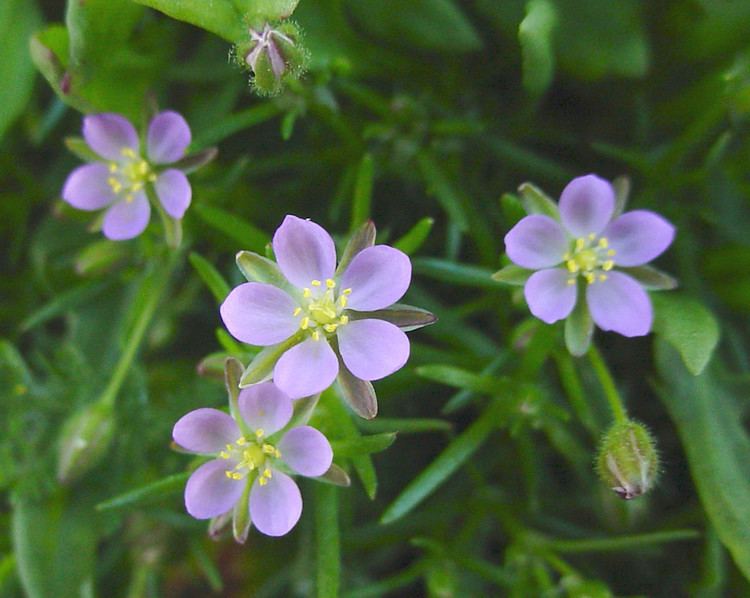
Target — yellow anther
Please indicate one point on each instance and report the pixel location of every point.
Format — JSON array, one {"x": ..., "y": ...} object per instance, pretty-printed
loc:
[
  {"x": 306, "y": 292},
  {"x": 602, "y": 277},
  {"x": 267, "y": 473},
  {"x": 259, "y": 433},
  {"x": 304, "y": 323},
  {"x": 592, "y": 236},
  {"x": 330, "y": 327},
  {"x": 343, "y": 320},
  {"x": 347, "y": 291},
  {"x": 229, "y": 474},
  {"x": 115, "y": 184},
  {"x": 297, "y": 311},
  {"x": 269, "y": 449},
  {"x": 580, "y": 243},
  {"x": 236, "y": 475},
  {"x": 152, "y": 177},
  {"x": 608, "y": 265},
  {"x": 566, "y": 256},
  {"x": 611, "y": 252},
  {"x": 129, "y": 197},
  {"x": 343, "y": 300},
  {"x": 128, "y": 152},
  {"x": 241, "y": 441},
  {"x": 572, "y": 266},
  {"x": 603, "y": 242},
  {"x": 113, "y": 167},
  {"x": 143, "y": 167},
  {"x": 315, "y": 335},
  {"x": 262, "y": 481},
  {"x": 277, "y": 453},
  {"x": 224, "y": 455},
  {"x": 330, "y": 283},
  {"x": 229, "y": 447},
  {"x": 590, "y": 277},
  {"x": 316, "y": 283},
  {"x": 137, "y": 186}
]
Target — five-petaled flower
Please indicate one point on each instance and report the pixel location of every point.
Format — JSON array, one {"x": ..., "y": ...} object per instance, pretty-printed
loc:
[
  {"x": 589, "y": 244},
  {"x": 320, "y": 312},
  {"x": 118, "y": 182},
  {"x": 250, "y": 459}
]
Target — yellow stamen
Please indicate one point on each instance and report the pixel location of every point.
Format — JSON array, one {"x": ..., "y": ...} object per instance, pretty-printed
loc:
[
  {"x": 330, "y": 283},
  {"x": 590, "y": 278},
  {"x": 113, "y": 167},
  {"x": 603, "y": 242},
  {"x": 260, "y": 433},
  {"x": 315, "y": 335},
  {"x": 608, "y": 265},
  {"x": 571, "y": 281},
  {"x": 572, "y": 266},
  {"x": 343, "y": 320},
  {"x": 602, "y": 277},
  {"x": 343, "y": 301},
  {"x": 129, "y": 197},
  {"x": 611, "y": 252},
  {"x": 330, "y": 327},
  {"x": 306, "y": 292},
  {"x": 592, "y": 236},
  {"x": 580, "y": 243},
  {"x": 128, "y": 152},
  {"x": 297, "y": 311},
  {"x": 316, "y": 283},
  {"x": 305, "y": 323},
  {"x": 241, "y": 441},
  {"x": 347, "y": 291},
  {"x": 268, "y": 449},
  {"x": 224, "y": 455}
]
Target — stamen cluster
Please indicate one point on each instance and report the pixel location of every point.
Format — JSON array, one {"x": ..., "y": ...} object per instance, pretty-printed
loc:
[
  {"x": 590, "y": 257},
  {"x": 322, "y": 309}
]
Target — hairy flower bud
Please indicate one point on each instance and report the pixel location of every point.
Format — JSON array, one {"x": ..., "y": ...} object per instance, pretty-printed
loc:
[
  {"x": 628, "y": 461},
  {"x": 273, "y": 53},
  {"x": 84, "y": 440}
]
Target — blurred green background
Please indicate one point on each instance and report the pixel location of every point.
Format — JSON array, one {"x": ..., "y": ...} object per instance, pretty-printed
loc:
[{"x": 424, "y": 115}]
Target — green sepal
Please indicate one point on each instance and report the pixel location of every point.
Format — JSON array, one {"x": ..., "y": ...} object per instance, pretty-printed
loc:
[
  {"x": 512, "y": 275},
  {"x": 621, "y": 185},
  {"x": 100, "y": 257},
  {"x": 256, "y": 268},
  {"x": 262, "y": 364},
  {"x": 336, "y": 476},
  {"x": 406, "y": 317},
  {"x": 536, "y": 201},
  {"x": 362, "y": 238},
  {"x": 197, "y": 160},
  {"x": 233, "y": 371},
  {"x": 84, "y": 440},
  {"x": 358, "y": 394},
  {"x": 579, "y": 327},
  {"x": 79, "y": 147},
  {"x": 650, "y": 278},
  {"x": 241, "y": 521}
]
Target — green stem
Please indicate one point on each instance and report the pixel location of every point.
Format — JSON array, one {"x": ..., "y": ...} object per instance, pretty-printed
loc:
[
  {"x": 608, "y": 386},
  {"x": 137, "y": 333},
  {"x": 629, "y": 542}
]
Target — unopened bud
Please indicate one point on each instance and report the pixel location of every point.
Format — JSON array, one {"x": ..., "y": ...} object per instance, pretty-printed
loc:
[
  {"x": 628, "y": 461},
  {"x": 84, "y": 440},
  {"x": 273, "y": 53}
]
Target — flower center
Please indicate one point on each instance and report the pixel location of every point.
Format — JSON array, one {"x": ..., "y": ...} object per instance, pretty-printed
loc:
[
  {"x": 591, "y": 257},
  {"x": 250, "y": 455},
  {"x": 322, "y": 308},
  {"x": 129, "y": 175}
]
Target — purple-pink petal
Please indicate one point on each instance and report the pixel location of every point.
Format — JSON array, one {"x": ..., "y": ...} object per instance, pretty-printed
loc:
[
  {"x": 306, "y": 369},
  {"x": 205, "y": 431},
  {"x": 586, "y": 205},
  {"x": 259, "y": 314},
  {"x": 108, "y": 134},
  {"x": 536, "y": 242},
  {"x": 549, "y": 295},
  {"x": 304, "y": 251},
  {"x": 378, "y": 277},
  {"x": 620, "y": 304},
  {"x": 168, "y": 137},
  {"x": 638, "y": 237},
  {"x": 306, "y": 451},
  {"x": 174, "y": 192},
  {"x": 86, "y": 188},
  {"x": 265, "y": 407},
  {"x": 275, "y": 507},
  {"x": 372, "y": 349},
  {"x": 209, "y": 492},
  {"x": 127, "y": 219}
]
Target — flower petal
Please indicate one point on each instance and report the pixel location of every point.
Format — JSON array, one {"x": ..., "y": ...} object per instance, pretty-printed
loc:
[
  {"x": 127, "y": 219},
  {"x": 108, "y": 134},
  {"x": 638, "y": 237},
  {"x": 86, "y": 188},
  {"x": 275, "y": 507},
  {"x": 306, "y": 369},
  {"x": 174, "y": 192},
  {"x": 304, "y": 251},
  {"x": 549, "y": 295},
  {"x": 265, "y": 407},
  {"x": 205, "y": 431},
  {"x": 536, "y": 242},
  {"x": 620, "y": 304},
  {"x": 209, "y": 492},
  {"x": 168, "y": 137},
  {"x": 586, "y": 205},
  {"x": 259, "y": 314},
  {"x": 378, "y": 277},
  {"x": 306, "y": 451},
  {"x": 372, "y": 349}
]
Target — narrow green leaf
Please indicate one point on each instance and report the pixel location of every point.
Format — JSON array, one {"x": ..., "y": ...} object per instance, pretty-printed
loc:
[
  {"x": 64, "y": 302},
  {"x": 238, "y": 229},
  {"x": 406, "y": 426},
  {"x": 626, "y": 542},
  {"x": 328, "y": 551},
  {"x": 146, "y": 494},
  {"x": 460, "y": 378},
  {"x": 535, "y": 34},
  {"x": 716, "y": 446},
  {"x": 415, "y": 237},
  {"x": 210, "y": 276},
  {"x": 366, "y": 472},
  {"x": 579, "y": 329},
  {"x": 513, "y": 275},
  {"x": 445, "y": 465},
  {"x": 688, "y": 326},
  {"x": 216, "y": 16},
  {"x": 455, "y": 273},
  {"x": 442, "y": 188},
  {"x": 207, "y": 566},
  {"x": 536, "y": 201},
  {"x": 233, "y": 123},
  {"x": 364, "y": 445},
  {"x": 363, "y": 184}
]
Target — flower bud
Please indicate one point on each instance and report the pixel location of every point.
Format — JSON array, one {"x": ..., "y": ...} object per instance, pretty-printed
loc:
[
  {"x": 84, "y": 440},
  {"x": 628, "y": 461},
  {"x": 273, "y": 53}
]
